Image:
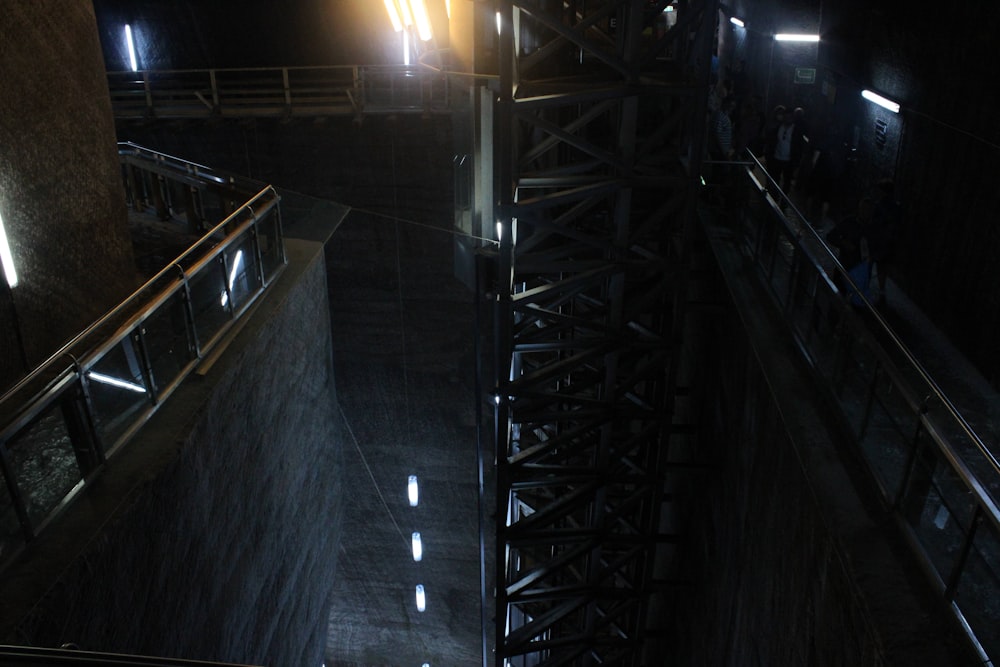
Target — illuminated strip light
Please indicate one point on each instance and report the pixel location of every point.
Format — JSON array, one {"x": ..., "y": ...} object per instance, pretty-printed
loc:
[
  {"x": 737, "y": 22},
  {"x": 498, "y": 23},
  {"x": 421, "y": 598},
  {"x": 116, "y": 382},
  {"x": 407, "y": 16},
  {"x": 418, "y": 546},
  {"x": 232, "y": 277},
  {"x": 397, "y": 23},
  {"x": 423, "y": 21},
  {"x": 792, "y": 37},
  {"x": 883, "y": 102},
  {"x": 6, "y": 258},
  {"x": 406, "y": 47},
  {"x": 413, "y": 491},
  {"x": 131, "y": 48}
]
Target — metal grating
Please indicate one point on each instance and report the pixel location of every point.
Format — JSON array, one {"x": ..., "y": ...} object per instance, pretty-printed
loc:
[{"x": 600, "y": 118}]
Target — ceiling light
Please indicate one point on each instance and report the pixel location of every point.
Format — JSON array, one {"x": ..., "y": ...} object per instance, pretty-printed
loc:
[
  {"x": 418, "y": 547},
  {"x": 737, "y": 22},
  {"x": 792, "y": 37},
  {"x": 422, "y": 19},
  {"x": 883, "y": 102},
  {"x": 397, "y": 23}
]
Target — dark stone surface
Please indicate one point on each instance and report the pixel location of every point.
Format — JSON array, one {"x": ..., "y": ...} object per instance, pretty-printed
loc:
[
  {"x": 214, "y": 534},
  {"x": 61, "y": 195}
]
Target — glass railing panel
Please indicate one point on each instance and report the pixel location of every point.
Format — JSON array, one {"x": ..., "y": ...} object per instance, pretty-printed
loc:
[
  {"x": 854, "y": 374},
  {"x": 978, "y": 591},
  {"x": 118, "y": 391},
  {"x": 43, "y": 463},
  {"x": 243, "y": 280},
  {"x": 269, "y": 239},
  {"x": 888, "y": 432},
  {"x": 209, "y": 304},
  {"x": 167, "y": 342}
]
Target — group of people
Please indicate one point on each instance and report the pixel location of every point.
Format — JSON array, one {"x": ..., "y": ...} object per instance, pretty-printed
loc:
[{"x": 813, "y": 166}]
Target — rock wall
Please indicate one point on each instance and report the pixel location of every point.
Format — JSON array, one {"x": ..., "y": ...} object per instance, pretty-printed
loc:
[{"x": 228, "y": 552}]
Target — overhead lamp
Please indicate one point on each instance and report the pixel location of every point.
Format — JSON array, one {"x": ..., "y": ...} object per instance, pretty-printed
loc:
[
  {"x": 737, "y": 22},
  {"x": 422, "y": 19},
  {"x": 498, "y": 22},
  {"x": 417, "y": 546},
  {"x": 883, "y": 102},
  {"x": 397, "y": 22},
  {"x": 793, "y": 37},
  {"x": 6, "y": 257},
  {"x": 131, "y": 48}
]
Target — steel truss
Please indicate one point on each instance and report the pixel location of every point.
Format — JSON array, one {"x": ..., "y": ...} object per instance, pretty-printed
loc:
[{"x": 598, "y": 143}]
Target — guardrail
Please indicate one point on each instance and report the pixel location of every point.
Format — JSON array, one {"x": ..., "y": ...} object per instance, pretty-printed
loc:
[
  {"x": 279, "y": 91},
  {"x": 931, "y": 467},
  {"x": 60, "y": 424},
  {"x": 31, "y": 656}
]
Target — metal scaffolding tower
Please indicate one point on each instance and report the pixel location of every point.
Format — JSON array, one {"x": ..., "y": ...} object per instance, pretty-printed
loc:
[{"x": 600, "y": 120}]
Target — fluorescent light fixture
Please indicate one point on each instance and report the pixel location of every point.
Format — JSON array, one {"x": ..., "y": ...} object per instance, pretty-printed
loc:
[
  {"x": 407, "y": 16},
  {"x": 131, "y": 47},
  {"x": 413, "y": 491},
  {"x": 792, "y": 37},
  {"x": 418, "y": 547},
  {"x": 6, "y": 258},
  {"x": 406, "y": 47},
  {"x": 421, "y": 599},
  {"x": 883, "y": 102},
  {"x": 232, "y": 277},
  {"x": 116, "y": 382},
  {"x": 422, "y": 19},
  {"x": 499, "y": 232},
  {"x": 447, "y": 8},
  {"x": 397, "y": 23},
  {"x": 669, "y": 8},
  {"x": 737, "y": 22},
  {"x": 498, "y": 23}
]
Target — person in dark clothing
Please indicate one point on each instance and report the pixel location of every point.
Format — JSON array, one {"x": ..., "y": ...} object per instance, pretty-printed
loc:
[
  {"x": 848, "y": 236},
  {"x": 882, "y": 232},
  {"x": 784, "y": 149}
]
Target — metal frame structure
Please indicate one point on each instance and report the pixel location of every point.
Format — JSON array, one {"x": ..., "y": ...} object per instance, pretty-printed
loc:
[{"x": 600, "y": 122}]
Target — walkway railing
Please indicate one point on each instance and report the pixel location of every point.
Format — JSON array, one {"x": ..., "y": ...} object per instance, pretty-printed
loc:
[
  {"x": 30, "y": 656},
  {"x": 931, "y": 466},
  {"x": 279, "y": 91},
  {"x": 60, "y": 424}
]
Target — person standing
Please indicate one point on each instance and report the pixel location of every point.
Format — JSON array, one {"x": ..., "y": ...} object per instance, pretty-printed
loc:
[{"x": 780, "y": 156}]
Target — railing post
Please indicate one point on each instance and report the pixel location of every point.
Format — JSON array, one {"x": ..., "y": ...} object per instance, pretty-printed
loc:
[
  {"x": 147, "y": 87},
  {"x": 15, "y": 494}
]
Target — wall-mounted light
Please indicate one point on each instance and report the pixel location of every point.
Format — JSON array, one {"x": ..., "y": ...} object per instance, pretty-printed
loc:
[
  {"x": 421, "y": 598},
  {"x": 131, "y": 48},
  {"x": 883, "y": 102},
  {"x": 794, "y": 37},
  {"x": 6, "y": 258},
  {"x": 737, "y": 22},
  {"x": 413, "y": 491},
  {"x": 418, "y": 546}
]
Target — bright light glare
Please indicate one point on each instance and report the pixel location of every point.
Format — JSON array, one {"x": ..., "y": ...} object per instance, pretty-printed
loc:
[
  {"x": 422, "y": 19},
  {"x": 397, "y": 23},
  {"x": 499, "y": 232},
  {"x": 883, "y": 102},
  {"x": 116, "y": 382},
  {"x": 418, "y": 547},
  {"x": 421, "y": 600},
  {"x": 737, "y": 22},
  {"x": 498, "y": 23},
  {"x": 406, "y": 47},
  {"x": 407, "y": 16},
  {"x": 6, "y": 258},
  {"x": 413, "y": 491},
  {"x": 791, "y": 37},
  {"x": 131, "y": 47},
  {"x": 232, "y": 277}
]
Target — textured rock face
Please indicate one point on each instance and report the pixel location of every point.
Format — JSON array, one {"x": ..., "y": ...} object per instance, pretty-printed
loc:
[
  {"x": 229, "y": 553},
  {"x": 61, "y": 194}
]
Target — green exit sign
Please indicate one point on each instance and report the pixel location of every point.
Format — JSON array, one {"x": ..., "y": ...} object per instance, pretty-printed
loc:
[{"x": 805, "y": 75}]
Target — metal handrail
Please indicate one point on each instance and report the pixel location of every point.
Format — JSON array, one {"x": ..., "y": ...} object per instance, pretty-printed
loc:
[
  {"x": 66, "y": 377},
  {"x": 886, "y": 329},
  {"x": 279, "y": 91},
  {"x": 897, "y": 363}
]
